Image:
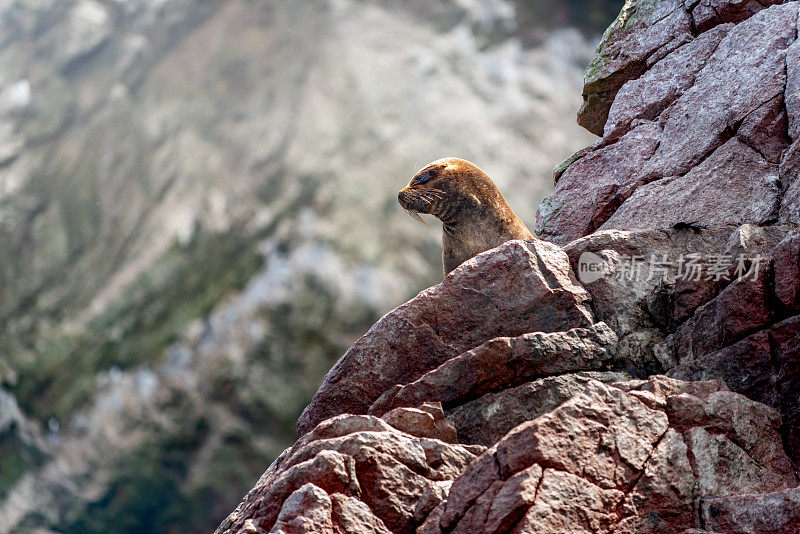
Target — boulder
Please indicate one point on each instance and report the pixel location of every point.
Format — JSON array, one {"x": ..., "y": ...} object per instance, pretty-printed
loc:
[
  {"x": 351, "y": 472},
  {"x": 502, "y": 363},
  {"x": 572, "y": 210},
  {"x": 696, "y": 135},
  {"x": 792, "y": 91},
  {"x": 518, "y": 288},
  {"x": 488, "y": 418},
  {"x": 778, "y": 511},
  {"x": 764, "y": 366},
  {"x": 735, "y": 184},
  {"x": 708, "y": 13},
  {"x": 644, "y": 32},
  {"x": 617, "y": 458},
  {"x": 786, "y": 268},
  {"x": 647, "y": 96}
]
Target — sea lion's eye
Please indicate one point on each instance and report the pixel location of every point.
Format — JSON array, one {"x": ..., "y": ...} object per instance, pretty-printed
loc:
[{"x": 422, "y": 178}]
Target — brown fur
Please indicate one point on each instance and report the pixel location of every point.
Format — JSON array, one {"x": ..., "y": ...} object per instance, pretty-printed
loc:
[{"x": 474, "y": 214}]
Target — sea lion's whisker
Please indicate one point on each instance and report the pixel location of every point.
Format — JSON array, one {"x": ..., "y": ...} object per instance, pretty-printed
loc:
[{"x": 414, "y": 215}]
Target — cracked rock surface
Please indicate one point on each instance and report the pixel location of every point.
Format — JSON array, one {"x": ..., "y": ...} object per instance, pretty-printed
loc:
[{"x": 703, "y": 110}]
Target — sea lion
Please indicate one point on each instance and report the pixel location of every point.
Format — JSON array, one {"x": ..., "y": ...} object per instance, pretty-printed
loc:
[{"x": 474, "y": 215}]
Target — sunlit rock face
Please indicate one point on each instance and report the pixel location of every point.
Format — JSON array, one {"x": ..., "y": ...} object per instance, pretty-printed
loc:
[
  {"x": 197, "y": 217},
  {"x": 693, "y": 127}
]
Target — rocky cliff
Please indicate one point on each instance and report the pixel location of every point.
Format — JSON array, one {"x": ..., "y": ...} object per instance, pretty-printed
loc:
[{"x": 638, "y": 371}]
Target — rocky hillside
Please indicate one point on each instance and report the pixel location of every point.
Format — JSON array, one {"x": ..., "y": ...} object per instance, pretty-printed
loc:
[
  {"x": 198, "y": 216},
  {"x": 638, "y": 371}
]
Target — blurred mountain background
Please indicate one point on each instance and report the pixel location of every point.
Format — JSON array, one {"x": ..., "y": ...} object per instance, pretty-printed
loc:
[{"x": 198, "y": 216}]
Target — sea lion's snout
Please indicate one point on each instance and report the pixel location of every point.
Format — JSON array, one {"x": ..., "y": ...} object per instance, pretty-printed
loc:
[
  {"x": 402, "y": 198},
  {"x": 413, "y": 200},
  {"x": 409, "y": 201}
]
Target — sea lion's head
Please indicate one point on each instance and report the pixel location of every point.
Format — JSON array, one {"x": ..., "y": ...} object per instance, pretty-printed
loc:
[
  {"x": 446, "y": 189},
  {"x": 474, "y": 214}
]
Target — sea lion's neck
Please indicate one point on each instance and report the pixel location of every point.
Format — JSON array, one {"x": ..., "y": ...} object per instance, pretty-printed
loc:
[
  {"x": 471, "y": 218},
  {"x": 451, "y": 215},
  {"x": 468, "y": 232}
]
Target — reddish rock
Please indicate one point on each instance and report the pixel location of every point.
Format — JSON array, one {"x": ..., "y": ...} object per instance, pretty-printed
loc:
[
  {"x": 790, "y": 181},
  {"x": 515, "y": 497},
  {"x": 574, "y": 210},
  {"x": 742, "y": 308},
  {"x": 564, "y": 439},
  {"x": 748, "y": 241},
  {"x": 790, "y": 165},
  {"x": 647, "y": 96},
  {"x": 699, "y": 102},
  {"x": 306, "y": 510},
  {"x": 431, "y": 525},
  {"x": 765, "y": 129},
  {"x": 504, "y": 362},
  {"x": 352, "y": 515},
  {"x": 708, "y": 13},
  {"x": 487, "y": 419},
  {"x": 786, "y": 341},
  {"x": 765, "y": 366},
  {"x": 730, "y": 87},
  {"x": 644, "y": 292},
  {"x": 522, "y": 286},
  {"x": 711, "y": 430},
  {"x": 620, "y": 298},
  {"x": 388, "y": 471},
  {"x": 310, "y": 509},
  {"x": 792, "y": 91},
  {"x": 746, "y": 367},
  {"x": 644, "y": 32},
  {"x": 603, "y": 434},
  {"x": 666, "y": 490},
  {"x": 479, "y": 477},
  {"x": 607, "y": 461},
  {"x": 714, "y": 454},
  {"x": 569, "y": 503},
  {"x": 477, "y": 515},
  {"x": 777, "y": 512},
  {"x": 786, "y": 266},
  {"x": 734, "y": 185},
  {"x": 422, "y": 423},
  {"x": 329, "y": 472},
  {"x": 790, "y": 204},
  {"x": 431, "y": 499}
]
